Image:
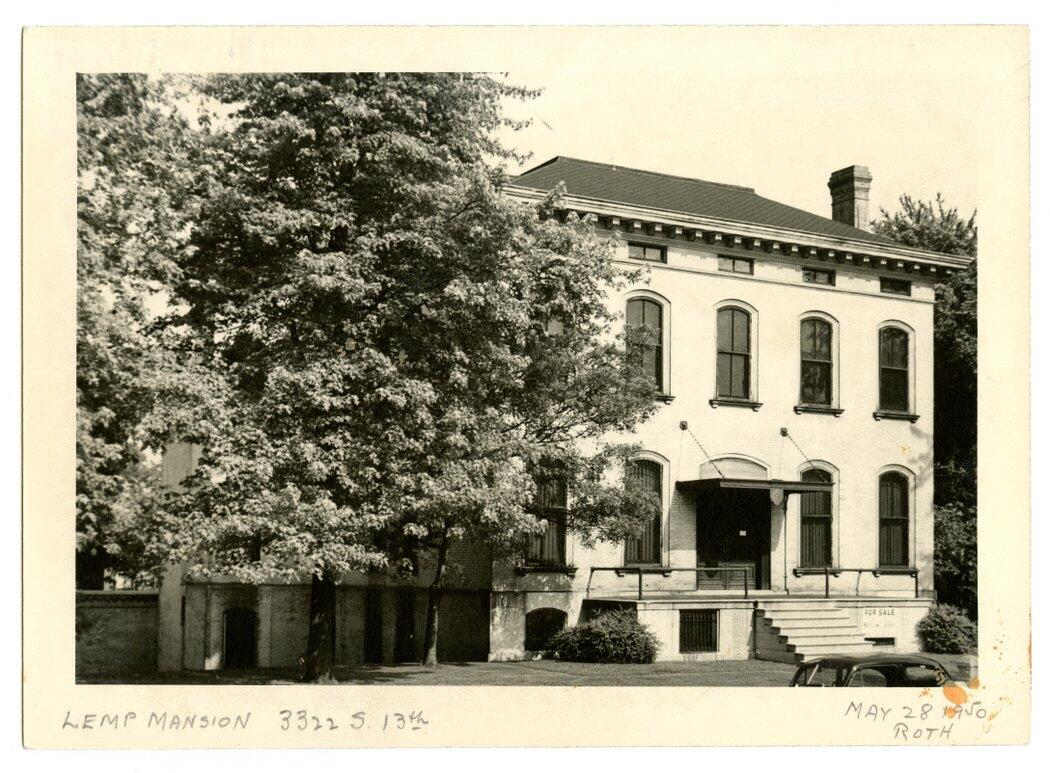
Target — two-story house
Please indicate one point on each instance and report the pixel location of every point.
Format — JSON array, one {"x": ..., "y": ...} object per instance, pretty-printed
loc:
[{"x": 792, "y": 453}]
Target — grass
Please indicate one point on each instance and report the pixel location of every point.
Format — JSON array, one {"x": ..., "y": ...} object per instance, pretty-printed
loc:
[{"x": 536, "y": 673}]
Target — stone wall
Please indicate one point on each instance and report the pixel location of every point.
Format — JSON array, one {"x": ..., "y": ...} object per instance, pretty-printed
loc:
[
  {"x": 116, "y": 632},
  {"x": 375, "y": 623}
]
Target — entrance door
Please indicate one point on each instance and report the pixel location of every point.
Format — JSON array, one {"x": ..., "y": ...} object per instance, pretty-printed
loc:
[
  {"x": 373, "y": 632},
  {"x": 733, "y": 531},
  {"x": 238, "y": 649},
  {"x": 407, "y": 649}
]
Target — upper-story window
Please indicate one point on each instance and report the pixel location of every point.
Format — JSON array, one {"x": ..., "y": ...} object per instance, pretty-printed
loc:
[
  {"x": 818, "y": 276},
  {"x": 733, "y": 379},
  {"x": 816, "y": 521},
  {"x": 654, "y": 253},
  {"x": 894, "y": 378},
  {"x": 736, "y": 265},
  {"x": 894, "y": 286},
  {"x": 551, "y": 504},
  {"x": 645, "y": 549},
  {"x": 647, "y": 314},
  {"x": 816, "y": 370},
  {"x": 893, "y": 519}
]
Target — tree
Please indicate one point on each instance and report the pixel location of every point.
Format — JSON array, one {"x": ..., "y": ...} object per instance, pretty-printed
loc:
[
  {"x": 394, "y": 346},
  {"x": 135, "y": 197},
  {"x": 931, "y": 226}
]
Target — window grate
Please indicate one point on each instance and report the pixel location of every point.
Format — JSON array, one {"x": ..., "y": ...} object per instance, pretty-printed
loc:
[{"x": 698, "y": 630}]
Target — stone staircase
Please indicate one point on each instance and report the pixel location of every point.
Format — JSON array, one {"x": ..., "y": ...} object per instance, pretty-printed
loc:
[{"x": 793, "y": 630}]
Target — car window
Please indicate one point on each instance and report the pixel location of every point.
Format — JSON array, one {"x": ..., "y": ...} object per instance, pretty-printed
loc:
[
  {"x": 923, "y": 676},
  {"x": 868, "y": 677},
  {"x": 819, "y": 675}
]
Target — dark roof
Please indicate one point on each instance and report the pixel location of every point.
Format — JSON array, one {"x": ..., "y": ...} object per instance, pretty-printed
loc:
[
  {"x": 870, "y": 660},
  {"x": 682, "y": 194}
]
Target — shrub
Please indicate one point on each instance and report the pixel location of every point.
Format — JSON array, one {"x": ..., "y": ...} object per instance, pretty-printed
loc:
[
  {"x": 611, "y": 637},
  {"x": 947, "y": 629}
]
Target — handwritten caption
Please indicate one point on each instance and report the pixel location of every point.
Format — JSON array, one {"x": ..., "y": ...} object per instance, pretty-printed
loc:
[
  {"x": 291, "y": 721},
  {"x": 923, "y": 722}
]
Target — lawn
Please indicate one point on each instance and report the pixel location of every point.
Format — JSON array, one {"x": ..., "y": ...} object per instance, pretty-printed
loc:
[{"x": 536, "y": 673}]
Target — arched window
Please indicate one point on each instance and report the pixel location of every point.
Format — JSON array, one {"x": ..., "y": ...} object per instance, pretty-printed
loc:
[
  {"x": 541, "y": 625},
  {"x": 815, "y": 387},
  {"x": 646, "y": 549},
  {"x": 734, "y": 354},
  {"x": 893, "y": 369},
  {"x": 646, "y": 314},
  {"x": 815, "y": 525},
  {"x": 551, "y": 503},
  {"x": 893, "y": 519}
]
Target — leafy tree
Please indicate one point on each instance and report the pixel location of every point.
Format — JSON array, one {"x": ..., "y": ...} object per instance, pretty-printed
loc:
[
  {"x": 134, "y": 199},
  {"x": 396, "y": 347},
  {"x": 955, "y": 537},
  {"x": 932, "y": 226}
]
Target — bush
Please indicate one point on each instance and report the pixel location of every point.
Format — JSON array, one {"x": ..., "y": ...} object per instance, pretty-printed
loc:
[
  {"x": 947, "y": 630},
  {"x": 612, "y": 637}
]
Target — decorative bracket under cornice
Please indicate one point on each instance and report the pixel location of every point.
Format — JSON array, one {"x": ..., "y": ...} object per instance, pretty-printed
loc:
[{"x": 755, "y": 237}]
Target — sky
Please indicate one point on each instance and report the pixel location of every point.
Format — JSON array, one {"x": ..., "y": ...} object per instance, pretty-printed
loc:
[{"x": 769, "y": 111}]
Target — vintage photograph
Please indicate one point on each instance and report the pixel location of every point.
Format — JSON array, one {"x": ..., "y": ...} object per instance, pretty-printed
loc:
[{"x": 389, "y": 378}]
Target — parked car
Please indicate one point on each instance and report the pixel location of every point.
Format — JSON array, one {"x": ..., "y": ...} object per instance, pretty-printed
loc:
[{"x": 871, "y": 671}]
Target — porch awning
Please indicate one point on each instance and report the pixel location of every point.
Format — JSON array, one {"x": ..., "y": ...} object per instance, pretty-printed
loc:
[{"x": 787, "y": 486}]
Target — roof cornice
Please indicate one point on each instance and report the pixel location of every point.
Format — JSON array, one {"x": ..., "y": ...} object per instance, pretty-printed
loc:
[{"x": 670, "y": 224}]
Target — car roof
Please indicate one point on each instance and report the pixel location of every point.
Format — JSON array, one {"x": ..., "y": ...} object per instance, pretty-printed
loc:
[{"x": 841, "y": 661}]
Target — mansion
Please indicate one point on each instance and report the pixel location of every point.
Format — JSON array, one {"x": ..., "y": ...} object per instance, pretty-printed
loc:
[{"x": 792, "y": 452}]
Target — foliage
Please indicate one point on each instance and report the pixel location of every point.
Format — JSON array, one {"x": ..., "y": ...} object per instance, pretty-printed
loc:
[
  {"x": 930, "y": 226},
  {"x": 611, "y": 637},
  {"x": 955, "y": 555},
  {"x": 391, "y": 345},
  {"x": 947, "y": 630},
  {"x": 135, "y": 198}
]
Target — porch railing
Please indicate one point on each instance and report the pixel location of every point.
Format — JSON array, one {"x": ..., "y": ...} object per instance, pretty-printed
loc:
[
  {"x": 835, "y": 571},
  {"x": 729, "y": 572},
  {"x": 641, "y": 571}
]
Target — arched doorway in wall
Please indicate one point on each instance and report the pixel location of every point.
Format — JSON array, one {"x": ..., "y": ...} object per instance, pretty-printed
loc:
[
  {"x": 541, "y": 625},
  {"x": 239, "y": 638}
]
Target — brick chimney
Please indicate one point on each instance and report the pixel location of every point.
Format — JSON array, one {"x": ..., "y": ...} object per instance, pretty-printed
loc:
[{"x": 849, "y": 196}]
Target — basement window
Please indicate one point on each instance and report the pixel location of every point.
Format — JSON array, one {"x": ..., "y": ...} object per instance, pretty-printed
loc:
[
  {"x": 882, "y": 641},
  {"x": 698, "y": 630}
]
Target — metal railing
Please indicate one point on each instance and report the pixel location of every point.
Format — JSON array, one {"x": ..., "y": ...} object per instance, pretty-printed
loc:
[
  {"x": 728, "y": 573},
  {"x": 641, "y": 571},
  {"x": 835, "y": 571}
]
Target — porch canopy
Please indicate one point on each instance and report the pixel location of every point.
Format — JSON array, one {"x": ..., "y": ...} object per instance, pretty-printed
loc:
[{"x": 706, "y": 485}]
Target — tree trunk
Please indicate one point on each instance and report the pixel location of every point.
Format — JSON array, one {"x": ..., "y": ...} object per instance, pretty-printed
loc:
[
  {"x": 430, "y": 637},
  {"x": 320, "y": 643}
]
